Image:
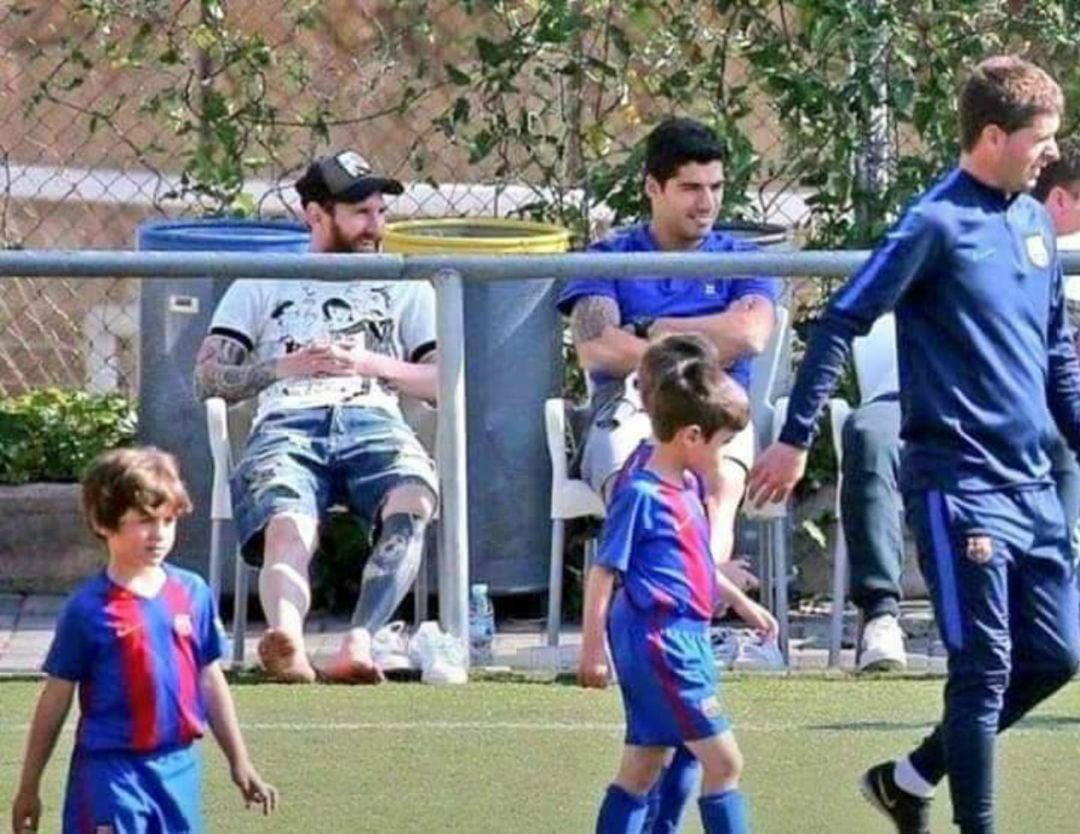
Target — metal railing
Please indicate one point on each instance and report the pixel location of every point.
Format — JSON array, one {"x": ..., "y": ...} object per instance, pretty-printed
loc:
[{"x": 449, "y": 274}]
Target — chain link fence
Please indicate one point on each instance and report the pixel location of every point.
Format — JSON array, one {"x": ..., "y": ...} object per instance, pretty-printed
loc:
[
  {"x": 115, "y": 112},
  {"x": 118, "y": 111}
]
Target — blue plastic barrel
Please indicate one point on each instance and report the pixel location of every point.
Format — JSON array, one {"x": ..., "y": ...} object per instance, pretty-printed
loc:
[{"x": 175, "y": 315}]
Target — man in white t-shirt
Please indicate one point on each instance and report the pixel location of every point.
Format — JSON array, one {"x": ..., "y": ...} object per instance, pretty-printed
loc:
[{"x": 327, "y": 361}]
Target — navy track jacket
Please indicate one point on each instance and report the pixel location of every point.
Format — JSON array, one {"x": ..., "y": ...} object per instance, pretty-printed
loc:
[{"x": 986, "y": 357}]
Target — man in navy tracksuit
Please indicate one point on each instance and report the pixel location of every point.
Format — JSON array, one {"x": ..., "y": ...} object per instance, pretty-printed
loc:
[{"x": 987, "y": 366}]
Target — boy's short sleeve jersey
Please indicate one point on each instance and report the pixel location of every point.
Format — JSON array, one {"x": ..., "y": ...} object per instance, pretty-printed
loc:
[
  {"x": 656, "y": 536},
  {"x": 137, "y": 661}
]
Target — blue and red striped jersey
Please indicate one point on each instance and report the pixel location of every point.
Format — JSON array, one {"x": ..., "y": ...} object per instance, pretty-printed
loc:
[
  {"x": 137, "y": 661},
  {"x": 656, "y": 535}
]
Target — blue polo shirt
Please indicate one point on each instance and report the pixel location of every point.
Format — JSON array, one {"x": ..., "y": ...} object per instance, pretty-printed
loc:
[
  {"x": 985, "y": 352},
  {"x": 673, "y": 297}
]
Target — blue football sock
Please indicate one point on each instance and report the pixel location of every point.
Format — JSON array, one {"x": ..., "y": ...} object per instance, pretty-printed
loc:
[
  {"x": 621, "y": 812},
  {"x": 652, "y": 804},
  {"x": 671, "y": 793},
  {"x": 724, "y": 813}
]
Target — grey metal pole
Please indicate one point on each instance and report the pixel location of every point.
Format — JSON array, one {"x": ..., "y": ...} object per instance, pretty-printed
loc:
[
  {"x": 873, "y": 164},
  {"x": 452, "y": 456},
  {"x": 215, "y": 561},
  {"x": 45, "y": 263}
]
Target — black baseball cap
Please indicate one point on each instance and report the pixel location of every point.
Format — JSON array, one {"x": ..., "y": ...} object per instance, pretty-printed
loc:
[{"x": 344, "y": 177}]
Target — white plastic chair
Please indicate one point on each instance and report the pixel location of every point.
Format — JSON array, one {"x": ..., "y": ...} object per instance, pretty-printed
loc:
[
  {"x": 769, "y": 412},
  {"x": 228, "y": 430},
  {"x": 570, "y": 498},
  {"x": 876, "y": 374}
]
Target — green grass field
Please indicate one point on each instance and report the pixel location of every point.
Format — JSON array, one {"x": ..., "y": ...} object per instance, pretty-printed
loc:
[{"x": 527, "y": 757}]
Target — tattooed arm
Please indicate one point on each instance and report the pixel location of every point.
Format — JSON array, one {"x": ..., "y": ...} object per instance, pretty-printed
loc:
[
  {"x": 222, "y": 370},
  {"x": 600, "y": 343}
]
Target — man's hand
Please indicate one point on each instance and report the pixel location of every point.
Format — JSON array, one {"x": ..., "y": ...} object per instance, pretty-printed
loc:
[
  {"x": 321, "y": 360},
  {"x": 25, "y": 812},
  {"x": 254, "y": 790},
  {"x": 775, "y": 474},
  {"x": 593, "y": 672}
]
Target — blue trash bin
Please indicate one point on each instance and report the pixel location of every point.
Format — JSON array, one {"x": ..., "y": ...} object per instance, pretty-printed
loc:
[{"x": 175, "y": 315}]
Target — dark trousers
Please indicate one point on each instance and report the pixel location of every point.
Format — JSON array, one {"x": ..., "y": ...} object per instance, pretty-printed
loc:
[
  {"x": 870, "y": 506},
  {"x": 1002, "y": 581},
  {"x": 873, "y": 511}
]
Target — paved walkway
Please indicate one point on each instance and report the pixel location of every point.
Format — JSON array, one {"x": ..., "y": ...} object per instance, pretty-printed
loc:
[{"x": 27, "y": 623}]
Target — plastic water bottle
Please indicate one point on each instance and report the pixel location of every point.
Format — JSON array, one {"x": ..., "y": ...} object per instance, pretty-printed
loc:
[{"x": 481, "y": 625}]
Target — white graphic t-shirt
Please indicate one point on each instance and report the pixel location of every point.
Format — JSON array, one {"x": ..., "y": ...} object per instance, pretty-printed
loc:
[{"x": 275, "y": 317}]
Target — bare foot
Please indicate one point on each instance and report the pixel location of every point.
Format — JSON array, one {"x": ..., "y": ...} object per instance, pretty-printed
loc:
[
  {"x": 283, "y": 659},
  {"x": 353, "y": 663}
]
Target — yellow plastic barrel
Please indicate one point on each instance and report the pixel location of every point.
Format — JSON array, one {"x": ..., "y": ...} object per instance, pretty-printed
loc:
[
  {"x": 474, "y": 236},
  {"x": 513, "y": 362}
]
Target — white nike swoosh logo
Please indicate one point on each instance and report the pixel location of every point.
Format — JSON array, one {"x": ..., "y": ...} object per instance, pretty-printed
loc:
[{"x": 890, "y": 804}]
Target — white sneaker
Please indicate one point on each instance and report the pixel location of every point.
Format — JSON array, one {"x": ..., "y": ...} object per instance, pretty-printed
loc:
[
  {"x": 390, "y": 647},
  {"x": 725, "y": 645},
  {"x": 882, "y": 647},
  {"x": 758, "y": 653},
  {"x": 440, "y": 656}
]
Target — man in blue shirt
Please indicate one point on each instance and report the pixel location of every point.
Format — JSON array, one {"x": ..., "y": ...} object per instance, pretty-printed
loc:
[
  {"x": 869, "y": 487},
  {"x": 987, "y": 366},
  {"x": 613, "y": 321}
]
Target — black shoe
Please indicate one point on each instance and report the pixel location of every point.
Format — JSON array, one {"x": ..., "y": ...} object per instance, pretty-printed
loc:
[{"x": 909, "y": 813}]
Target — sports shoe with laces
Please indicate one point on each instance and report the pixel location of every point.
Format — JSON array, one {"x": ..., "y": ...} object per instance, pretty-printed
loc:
[
  {"x": 725, "y": 645},
  {"x": 882, "y": 646},
  {"x": 909, "y": 813},
  {"x": 440, "y": 656},
  {"x": 756, "y": 652},
  {"x": 390, "y": 647}
]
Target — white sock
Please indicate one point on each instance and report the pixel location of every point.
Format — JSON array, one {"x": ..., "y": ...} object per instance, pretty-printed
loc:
[{"x": 909, "y": 780}]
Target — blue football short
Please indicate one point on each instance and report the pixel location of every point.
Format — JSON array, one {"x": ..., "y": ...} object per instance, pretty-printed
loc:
[
  {"x": 667, "y": 677},
  {"x": 131, "y": 793}
]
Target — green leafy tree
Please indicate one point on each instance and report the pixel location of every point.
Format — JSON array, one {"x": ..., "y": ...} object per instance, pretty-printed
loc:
[{"x": 224, "y": 93}]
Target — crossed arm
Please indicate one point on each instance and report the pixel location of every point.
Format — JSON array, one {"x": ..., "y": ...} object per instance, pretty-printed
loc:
[
  {"x": 222, "y": 369},
  {"x": 602, "y": 345}
]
